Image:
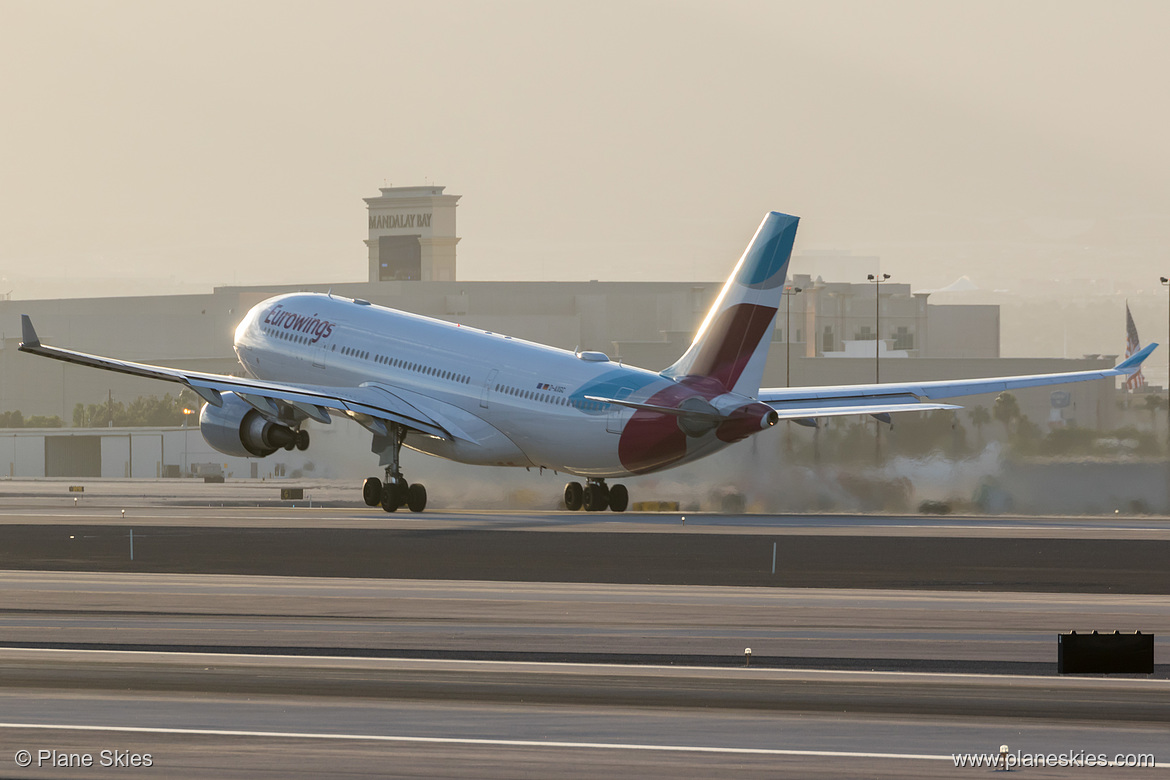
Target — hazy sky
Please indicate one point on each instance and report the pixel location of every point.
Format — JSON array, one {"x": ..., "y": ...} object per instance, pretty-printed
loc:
[{"x": 232, "y": 142}]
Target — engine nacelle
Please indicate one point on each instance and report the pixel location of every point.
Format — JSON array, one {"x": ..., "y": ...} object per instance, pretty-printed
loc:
[
  {"x": 746, "y": 420},
  {"x": 238, "y": 429}
]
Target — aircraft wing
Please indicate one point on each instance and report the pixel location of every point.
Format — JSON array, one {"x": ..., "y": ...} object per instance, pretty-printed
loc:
[
  {"x": 811, "y": 402},
  {"x": 371, "y": 405}
]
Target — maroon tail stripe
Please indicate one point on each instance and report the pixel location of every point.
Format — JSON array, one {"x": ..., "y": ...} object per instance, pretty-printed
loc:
[{"x": 730, "y": 341}]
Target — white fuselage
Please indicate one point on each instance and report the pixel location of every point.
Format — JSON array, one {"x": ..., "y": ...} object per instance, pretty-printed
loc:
[{"x": 518, "y": 403}]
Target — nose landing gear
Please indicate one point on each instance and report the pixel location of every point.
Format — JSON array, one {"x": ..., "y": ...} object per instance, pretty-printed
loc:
[{"x": 596, "y": 496}]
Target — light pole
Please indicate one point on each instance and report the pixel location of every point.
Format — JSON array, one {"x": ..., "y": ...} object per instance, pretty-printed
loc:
[
  {"x": 877, "y": 352},
  {"x": 788, "y": 294},
  {"x": 877, "y": 313},
  {"x": 789, "y": 291},
  {"x": 1166, "y": 284},
  {"x": 186, "y": 417}
]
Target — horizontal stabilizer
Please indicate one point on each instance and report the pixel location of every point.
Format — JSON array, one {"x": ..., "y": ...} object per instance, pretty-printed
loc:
[{"x": 672, "y": 410}]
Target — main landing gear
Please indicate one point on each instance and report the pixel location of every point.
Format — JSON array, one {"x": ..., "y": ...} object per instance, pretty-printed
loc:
[
  {"x": 596, "y": 496},
  {"x": 394, "y": 492}
]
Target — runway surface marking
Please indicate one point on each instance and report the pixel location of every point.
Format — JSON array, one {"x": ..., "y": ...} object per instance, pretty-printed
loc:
[
  {"x": 525, "y": 743},
  {"x": 528, "y": 743}
]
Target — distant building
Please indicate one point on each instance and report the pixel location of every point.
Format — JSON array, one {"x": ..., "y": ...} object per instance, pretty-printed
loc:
[
  {"x": 412, "y": 266},
  {"x": 412, "y": 235}
]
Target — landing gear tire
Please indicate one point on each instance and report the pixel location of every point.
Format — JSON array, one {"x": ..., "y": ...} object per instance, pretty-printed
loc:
[
  {"x": 372, "y": 491},
  {"x": 596, "y": 497},
  {"x": 392, "y": 496},
  {"x": 416, "y": 499},
  {"x": 574, "y": 496},
  {"x": 302, "y": 442},
  {"x": 619, "y": 498}
]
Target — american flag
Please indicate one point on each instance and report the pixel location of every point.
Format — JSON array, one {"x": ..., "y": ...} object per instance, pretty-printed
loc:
[{"x": 1132, "y": 345}]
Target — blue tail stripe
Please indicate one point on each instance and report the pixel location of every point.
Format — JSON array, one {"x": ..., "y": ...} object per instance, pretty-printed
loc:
[{"x": 767, "y": 260}]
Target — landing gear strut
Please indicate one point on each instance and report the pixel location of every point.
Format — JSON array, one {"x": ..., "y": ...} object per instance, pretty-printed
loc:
[
  {"x": 394, "y": 492},
  {"x": 596, "y": 496}
]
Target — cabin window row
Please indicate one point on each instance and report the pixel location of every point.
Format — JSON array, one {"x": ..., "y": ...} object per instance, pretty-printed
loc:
[
  {"x": 549, "y": 398},
  {"x": 407, "y": 365},
  {"x": 382, "y": 359},
  {"x": 285, "y": 335}
]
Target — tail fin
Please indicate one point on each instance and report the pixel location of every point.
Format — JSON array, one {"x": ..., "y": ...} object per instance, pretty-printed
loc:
[{"x": 732, "y": 343}]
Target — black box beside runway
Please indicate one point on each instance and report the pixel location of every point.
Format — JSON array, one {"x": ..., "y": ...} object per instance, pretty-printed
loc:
[{"x": 1097, "y": 653}]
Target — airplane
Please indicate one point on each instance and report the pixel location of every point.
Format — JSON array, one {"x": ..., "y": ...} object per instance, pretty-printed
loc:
[{"x": 484, "y": 398}]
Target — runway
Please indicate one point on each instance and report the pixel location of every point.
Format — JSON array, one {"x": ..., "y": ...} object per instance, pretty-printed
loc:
[
  {"x": 334, "y": 505},
  {"x": 672, "y": 698},
  {"x": 826, "y": 628},
  {"x": 594, "y": 645},
  {"x": 361, "y": 717},
  {"x": 283, "y": 736}
]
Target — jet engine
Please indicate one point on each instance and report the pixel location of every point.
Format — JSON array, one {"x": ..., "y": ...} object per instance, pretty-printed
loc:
[
  {"x": 236, "y": 428},
  {"x": 746, "y": 420}
]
